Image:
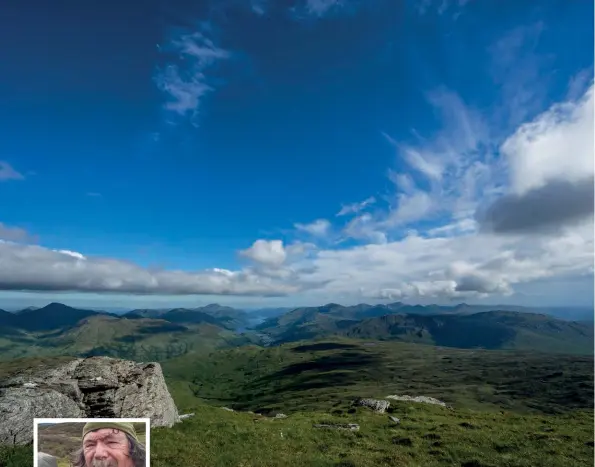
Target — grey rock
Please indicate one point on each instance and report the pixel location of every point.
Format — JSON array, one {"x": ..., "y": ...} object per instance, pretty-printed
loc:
[
  {"x": 343, "y": 426},
  {"x": 186, "y": 415},
  {"x": 96, "y": 387},
  {"x": 19, "y": 406},
  {"x": 46, "y": 460},
  {"x": 228, "y": 409},
  {"x": 280, "y": 415},
  {"x": 377, "y": 405},
  {"x": 395, "y": 420},
  {"x": 419, "y": 399}
]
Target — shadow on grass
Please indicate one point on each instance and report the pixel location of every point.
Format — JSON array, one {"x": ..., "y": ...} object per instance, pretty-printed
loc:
[{"x": 323, "y": 346}]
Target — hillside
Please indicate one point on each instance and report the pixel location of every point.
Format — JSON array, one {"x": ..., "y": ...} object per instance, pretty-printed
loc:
[
  {"x": 509, "y": 408},
  {"x": 311, "y": 375},
  {"x": 138, "y": 339},
  {"x": 459, "y": 326},
  {"x": 489, "y": 330}
]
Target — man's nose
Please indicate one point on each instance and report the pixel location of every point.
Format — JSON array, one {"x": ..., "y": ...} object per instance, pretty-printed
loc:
[{"x": 100, "y": 451}]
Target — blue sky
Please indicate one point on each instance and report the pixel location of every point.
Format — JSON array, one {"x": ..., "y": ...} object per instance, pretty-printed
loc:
[{"x": 276, "y": 153}]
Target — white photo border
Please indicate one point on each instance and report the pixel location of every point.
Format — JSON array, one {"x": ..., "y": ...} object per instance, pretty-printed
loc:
[{"x": 37, "y": 421}]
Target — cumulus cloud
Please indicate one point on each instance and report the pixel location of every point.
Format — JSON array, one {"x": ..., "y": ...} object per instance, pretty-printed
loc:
[
  {"x": 542, "y": 209},
  {"x": 185, "y": 80},
  {"x": 15, "y": 234},
  {"x": 266, "y": 252},
  {"x": 7, "y": 172},
  {"x": 35, "y": 268},
  {"x": 557, "y": 145},
  {"x": 551, "y": 168}
]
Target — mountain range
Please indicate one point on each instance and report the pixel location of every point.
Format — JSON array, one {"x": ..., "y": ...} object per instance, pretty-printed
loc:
[{"x": 162, "y": 333}]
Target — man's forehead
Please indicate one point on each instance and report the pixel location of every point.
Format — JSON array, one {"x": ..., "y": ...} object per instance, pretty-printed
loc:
[{"x": 103, "y": 433}]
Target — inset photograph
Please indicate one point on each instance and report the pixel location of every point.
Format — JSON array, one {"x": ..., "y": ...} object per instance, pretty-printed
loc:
[{"x": 99, "y": 442}]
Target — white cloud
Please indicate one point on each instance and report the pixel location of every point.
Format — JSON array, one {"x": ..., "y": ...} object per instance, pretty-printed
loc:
[
  {"x": 34, "y": 268},
  {"x": 453, "y": 259},
  {"x": 557, "y": 145},
  {"x": 318, "y": 9},
  {"x": 267, "y": 252},
  {"x": 7, "y": 172},
  {"x": 354, "y": 208},
  {"x": 14, "y": 234},
  {"x": 365, "y": 227},
  {"x": 318, "y": 228},
  {"x": 259, "y": 6},
  {"x": 322, "y": 7},
  {"x": 185, "y": 81}
]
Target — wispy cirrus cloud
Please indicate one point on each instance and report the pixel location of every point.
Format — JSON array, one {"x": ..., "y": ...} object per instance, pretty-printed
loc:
[
  {"x": 7, "y": 172},
  {"x": 185, "y": 80},
  {"x": 318, "y": 228},
  {"x": 354, "y": 208}
]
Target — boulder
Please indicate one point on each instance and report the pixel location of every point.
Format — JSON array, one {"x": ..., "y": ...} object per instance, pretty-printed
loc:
[
  {"x": 95, "y": 387},
  {"x": 46, "y": 460},
  {"x": 280, "y": 415},
  {"x": 395, "y": 420},
  {"x": 377, "y": 405},
  {"x": 420, "y": 399}
]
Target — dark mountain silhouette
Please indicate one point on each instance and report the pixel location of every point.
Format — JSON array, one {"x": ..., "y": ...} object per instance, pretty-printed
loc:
[{"x": 52, "y": 316}]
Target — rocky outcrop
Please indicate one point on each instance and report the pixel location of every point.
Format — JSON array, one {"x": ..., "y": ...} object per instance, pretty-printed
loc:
[
  {"x": 45, "y": 460},
  {"x": 421, "y": 399},
  {"x": 96, "y": 387},
  {"x": 377, "y": 405}
]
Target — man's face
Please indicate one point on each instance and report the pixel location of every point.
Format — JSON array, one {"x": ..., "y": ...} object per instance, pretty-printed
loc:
[{"x": 106, "y": 447}]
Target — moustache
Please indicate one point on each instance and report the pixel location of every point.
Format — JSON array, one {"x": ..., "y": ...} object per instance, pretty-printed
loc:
[{"x": 104, "y": 463}]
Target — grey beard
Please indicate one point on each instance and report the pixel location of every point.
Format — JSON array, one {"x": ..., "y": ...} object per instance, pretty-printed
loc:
[{"x": 103, "y": 463}]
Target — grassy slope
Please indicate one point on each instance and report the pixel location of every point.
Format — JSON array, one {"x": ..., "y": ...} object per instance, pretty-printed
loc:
[
  {"x": 311, "y": 375},
  {"x": 437, "y": 437},
  {"x": 316, "y": 382}
]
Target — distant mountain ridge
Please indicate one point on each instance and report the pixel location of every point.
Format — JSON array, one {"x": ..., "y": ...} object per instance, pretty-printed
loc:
[{"x": 463, "y": 326}]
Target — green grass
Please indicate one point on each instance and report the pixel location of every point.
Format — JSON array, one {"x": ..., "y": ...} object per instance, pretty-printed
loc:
[{"x": 427, "y": 436}]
